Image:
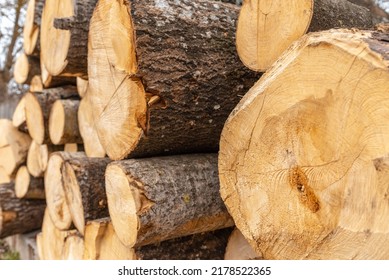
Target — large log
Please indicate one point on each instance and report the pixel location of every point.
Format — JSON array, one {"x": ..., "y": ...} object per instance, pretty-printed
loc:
[
  {"x": 13, "y": 147},
  {"x": 38, "y": 108},
  {"x": 31, "y": 27},
  {"x": 18, "y": 215},
  {"x": 64, "y": 36},
  {"x": 84, "y": 186},
  {"x": 27, "y": 186},
  {"x": 86, "y": 124},
  {"x": 303, "y": 158},
  {"x": 25, "y": 68},
  {"x": 63, "y": 122},
  {"x": 102, "y": 243},
  {"x": 38, "y": 156},
  {"x": 55, "y": 196},
  {"x": 163, "y": 76},
  {"x": 155, "y": 199},
  {"x": 266, "y": 28}
]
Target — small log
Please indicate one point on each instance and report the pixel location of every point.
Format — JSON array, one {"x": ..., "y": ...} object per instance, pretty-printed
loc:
[
  {"x": 32, "y": 23},
  {"x": 73, "y": 248},
  {"x": 65, "y": 36},
  {"x": 52, "y": 240},
  {"x": 86, "y": 124},
  {"x": 38, "y": 108},
  {"x": 63, "y": 122},
  {"x": 38, "y": 156},
  {"x": 27, "y": 186},
  {"x": 19, "y": 116},
  {"x": 239, "y": 249},
  {"x": 83, "y": 182},
  {"x": 102, "y": 243},
  {"x": 18, "y": 215},
  {"x": 55, "y": 196},
  {"x": 73, "y": 148},
  {"x": 266, "y": 28},
  {"x": 13, "y": 146},
  {"x": 176, "y": 67},
  {"x": 151, "y": 200},
  {"x": 303, "y": 161},
  {"x": 26, "y": 67},
  {"x": 50, "y": 81},
  {"x": 82, "y": 86}
]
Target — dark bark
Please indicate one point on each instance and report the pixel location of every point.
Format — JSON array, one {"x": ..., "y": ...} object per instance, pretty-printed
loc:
[{"x": 18, "y": 215}]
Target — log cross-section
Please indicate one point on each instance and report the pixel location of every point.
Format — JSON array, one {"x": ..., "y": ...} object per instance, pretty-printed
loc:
[
  {"x": 163, "y": 75},
  {"x": 155, "y": 199}
]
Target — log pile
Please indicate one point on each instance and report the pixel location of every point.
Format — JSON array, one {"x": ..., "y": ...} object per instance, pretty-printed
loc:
[{"x": 143, "y": 131}]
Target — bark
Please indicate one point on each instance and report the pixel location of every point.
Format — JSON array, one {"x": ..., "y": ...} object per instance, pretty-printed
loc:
[
  {"x": 84, "y": 186},
  {"x": 13, "y": 147},
  {"x": 27, "y": 186},
  {"x": 26, "y": 67},
  {"x": 64, "y": 36},
  {"x": 63, "y": 122},
  {"x": 51, "y": 81},
  {"x": 102, "y": 243},
  {"x": 31, "y": 38},
  {"x": 86, "y": 124},
  {"x": 176, "y": 65},
  {"x": 164, "y": 198},
  {"x": 38, "y": 107},
  {"x": 267, "y": 28},
  {"x": 304, "y": 174},
  {"x": 18, "y": 215},
  {"x": 38, "y": 156},
  {"x": 57, "y": 205}
]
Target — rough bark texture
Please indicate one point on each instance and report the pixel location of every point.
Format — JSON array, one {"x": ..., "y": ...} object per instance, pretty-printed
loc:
[
  {"x": 329, "y": 14},
  {"x": 179, "y": 72},
  {"x": 31, "y": 42},
  {"x": 27, "y": 186},
  {"x": 18, "y": 215},
  {"x": 63, "y": 122},
  {"x": 83, "y": 181},
  {"x": 305, "y": 174},
  {"x": 59, "y": 27},
  {"x": 55, "y": 195},
  {"x": 202, "y": 246},
  {"x": 151, "y": 200},
  {"x": 38, "y": 107}
]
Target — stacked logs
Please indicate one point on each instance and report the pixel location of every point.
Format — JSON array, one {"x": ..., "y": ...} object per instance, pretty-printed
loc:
[{"x": 147, "y": 91}]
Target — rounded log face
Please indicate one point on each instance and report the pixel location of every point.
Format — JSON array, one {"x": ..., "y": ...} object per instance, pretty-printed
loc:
[
  {"x": 266, "y": 28},
  {"x": 298, "y": 156},
  {"x": 30, "y": 29},
  {"x": 35, "y": 118},
  {"x": 57, "y": 122},
  {"x": 55, "y": 196},
  {"x": 51, "y": 36},
  {"x": 21, "y": 69},
  {"x": 22, "y": 182}
]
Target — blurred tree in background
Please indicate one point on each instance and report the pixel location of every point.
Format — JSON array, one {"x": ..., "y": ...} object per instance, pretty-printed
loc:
[{"x": 12, "y": 14}]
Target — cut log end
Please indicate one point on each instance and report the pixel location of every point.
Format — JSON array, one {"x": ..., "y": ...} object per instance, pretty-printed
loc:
[
  {"x": 21, "y": 69},
  {"x": 82, "y": 86},
  {"x": 35, "y": 118},
  {"x": 297, "y": 153},
  {"x": 30, "y": 29},
  {"x": 22, "y": 182},
  {"x": 73, "y": 197},
  {"x": 63, "y": 122},
  {"x": 55, "y": 196},
  {"x": 124, "y": 217}
]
